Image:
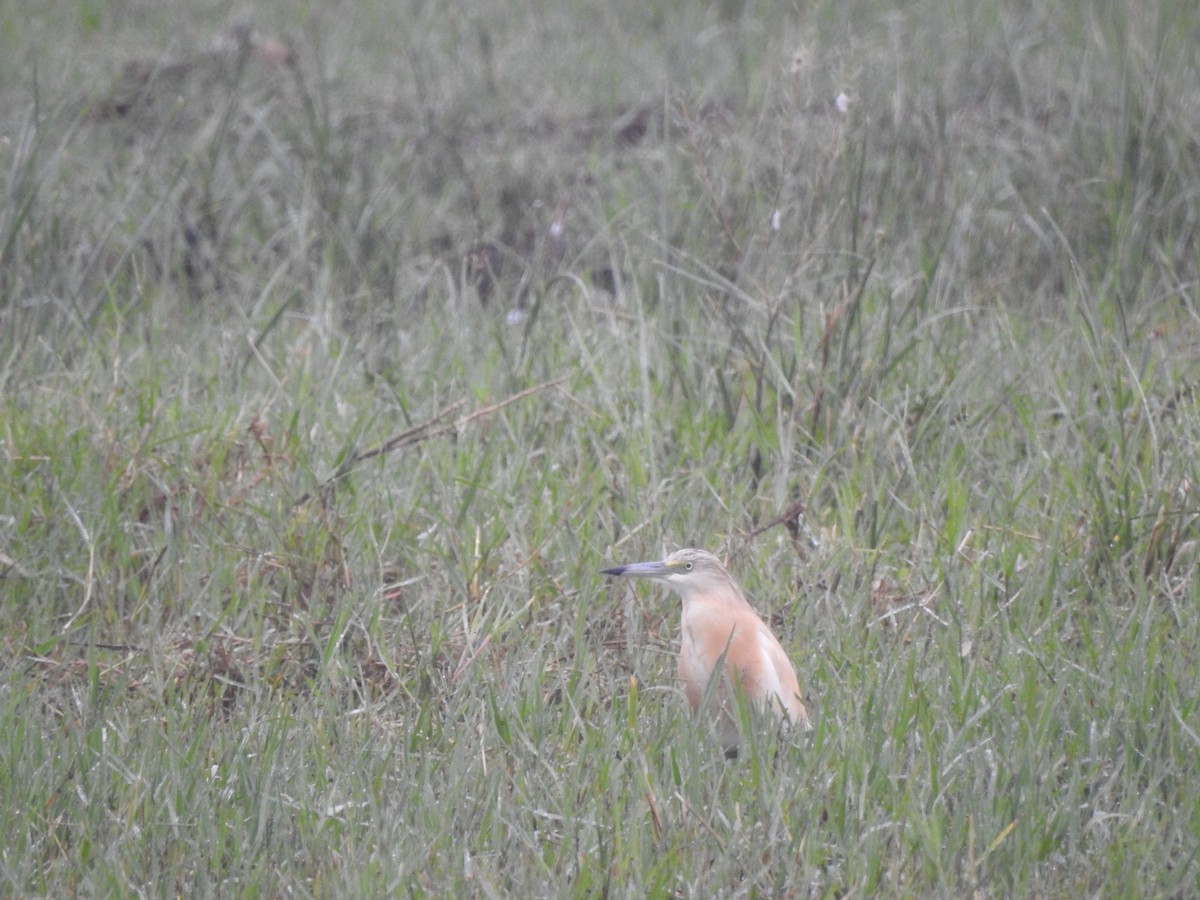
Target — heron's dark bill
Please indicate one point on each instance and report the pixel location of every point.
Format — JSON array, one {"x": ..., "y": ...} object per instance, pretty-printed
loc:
[{"x": 653, "y": 569}]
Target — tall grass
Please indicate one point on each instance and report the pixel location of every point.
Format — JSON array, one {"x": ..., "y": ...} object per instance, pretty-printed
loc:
[{"x": 329, "y": 385}]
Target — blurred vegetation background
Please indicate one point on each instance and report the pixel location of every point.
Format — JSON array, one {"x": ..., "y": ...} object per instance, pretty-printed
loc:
[{"x": 342, "y": 345}]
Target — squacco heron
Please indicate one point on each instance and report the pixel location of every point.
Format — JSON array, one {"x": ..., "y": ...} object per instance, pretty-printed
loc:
[{"x": 720, "y": 627}]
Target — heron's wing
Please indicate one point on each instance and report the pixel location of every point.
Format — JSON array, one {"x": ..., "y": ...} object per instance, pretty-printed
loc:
[{"x": 785, "y": 685}]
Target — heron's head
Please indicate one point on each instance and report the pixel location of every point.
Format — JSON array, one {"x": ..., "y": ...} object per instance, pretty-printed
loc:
[{"x": 687, "y": 572}]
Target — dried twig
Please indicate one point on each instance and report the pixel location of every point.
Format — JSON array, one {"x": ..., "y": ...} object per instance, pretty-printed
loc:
[
  {"x": 425, "y": 431},
  {"x": 787, "y": 517}
]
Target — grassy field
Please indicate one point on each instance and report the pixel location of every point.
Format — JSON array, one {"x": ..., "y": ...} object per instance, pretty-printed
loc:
[{"x": 337, "y": 357}]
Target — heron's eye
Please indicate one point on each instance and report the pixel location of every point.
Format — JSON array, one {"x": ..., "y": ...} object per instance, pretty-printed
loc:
[{"x": 688, "y": 566}]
